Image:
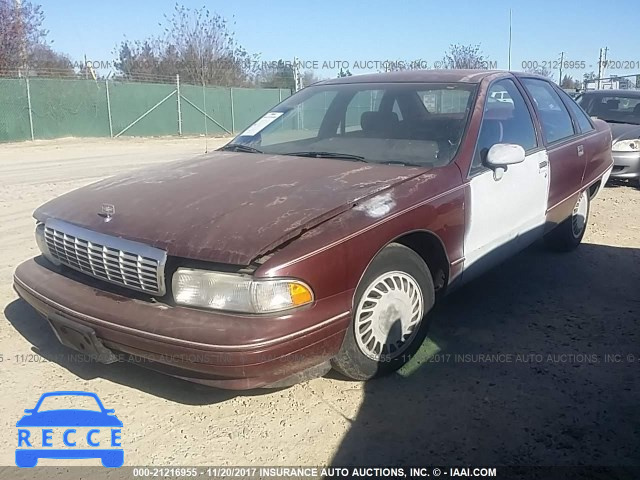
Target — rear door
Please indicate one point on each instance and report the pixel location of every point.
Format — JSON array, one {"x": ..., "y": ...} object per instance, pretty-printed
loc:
[
  {"x": 566, "y": 149},
  {"x": 508, "y": 212}
]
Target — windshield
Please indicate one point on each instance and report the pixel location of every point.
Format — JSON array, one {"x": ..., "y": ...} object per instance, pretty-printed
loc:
[
  {"x": 413, "y": 124},
  {"x": 612, "y": 108}
]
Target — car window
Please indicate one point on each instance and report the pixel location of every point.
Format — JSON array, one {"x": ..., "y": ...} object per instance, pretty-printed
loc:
[
  {"x": 504, "y": 121},
  {"x": 402, "y": 123},
  {"x": 301, "y": 122},
  {"x": 363, "y": 101},
  {"x": 617, "y": 108},
  {"x": 554, "y": 116},
  {"x": 581, "y": 117}
]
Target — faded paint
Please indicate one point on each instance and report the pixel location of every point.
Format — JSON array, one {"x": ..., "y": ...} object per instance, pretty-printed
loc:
[{"x": 225, "y": 207}]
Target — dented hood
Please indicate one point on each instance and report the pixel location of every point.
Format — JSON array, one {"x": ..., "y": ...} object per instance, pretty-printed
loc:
[{"x": 224, "y": 207}]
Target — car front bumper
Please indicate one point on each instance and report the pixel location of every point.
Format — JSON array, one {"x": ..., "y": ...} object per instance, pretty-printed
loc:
[
  {"x": 626, "y": 165},
  {"x": 223, "y": 350}
]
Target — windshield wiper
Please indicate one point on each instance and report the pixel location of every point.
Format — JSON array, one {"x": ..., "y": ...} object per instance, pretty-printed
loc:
[
  {"x": 344, "y": 156},
  {"x": 239, "y": 147}
]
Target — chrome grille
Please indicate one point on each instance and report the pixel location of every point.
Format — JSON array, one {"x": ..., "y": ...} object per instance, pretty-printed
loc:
[{"x": 122, "y": 262}]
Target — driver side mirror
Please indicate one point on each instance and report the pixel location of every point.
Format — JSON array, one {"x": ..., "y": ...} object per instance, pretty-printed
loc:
[{"x": 501, "y": 155}]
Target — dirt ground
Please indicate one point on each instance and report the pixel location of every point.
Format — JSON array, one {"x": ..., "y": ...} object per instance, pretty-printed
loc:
[{"x": 537, "y": 362}]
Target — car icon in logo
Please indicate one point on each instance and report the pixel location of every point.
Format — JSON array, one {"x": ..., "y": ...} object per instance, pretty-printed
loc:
[{"x": 71, "y": 433}]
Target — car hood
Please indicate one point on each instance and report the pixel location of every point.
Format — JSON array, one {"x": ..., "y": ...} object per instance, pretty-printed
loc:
[
  {"x": 225, "y": 207},
  {"x": 624, "y": 131},
  {"x": 69, "y": 418}
]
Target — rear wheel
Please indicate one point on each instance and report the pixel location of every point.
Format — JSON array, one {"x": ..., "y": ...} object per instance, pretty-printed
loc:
[
  {"x": 568, "y": 235},
  {"x": 388, "y": 323}
]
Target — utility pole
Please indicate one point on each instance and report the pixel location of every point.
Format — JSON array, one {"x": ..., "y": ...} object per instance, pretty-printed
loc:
[
  {"x": 561, "y": 62},
  {"x": 510, "y": 18},
  {"x": 604, "y": 62},
  {"x": 599, "y": 70},
  {"x": 297, "y": 77}
]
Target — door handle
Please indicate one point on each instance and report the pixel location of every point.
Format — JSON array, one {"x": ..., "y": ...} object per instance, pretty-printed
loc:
[
  {"x": 543, "y": 164},
  {"x": 580, "y": 150}
]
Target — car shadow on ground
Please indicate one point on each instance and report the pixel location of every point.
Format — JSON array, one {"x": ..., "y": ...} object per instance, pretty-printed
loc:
[
  {"x": 37, "y": 331},
  {"x": 466, "y": 398},
  {"x": 619, "y": 182}
]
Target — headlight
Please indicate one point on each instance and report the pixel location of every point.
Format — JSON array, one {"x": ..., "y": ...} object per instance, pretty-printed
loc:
[
  {"x": 238, "y": 293},
  {"x": 626, "y": 146},
  {"x": 42, "y": 244}
]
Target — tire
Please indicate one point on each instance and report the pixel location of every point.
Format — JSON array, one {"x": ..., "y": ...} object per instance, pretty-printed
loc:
[
  {"x": 410, "y": 295},
  {"x": 568, "y": 235},
  {"x": 636, "y": 182}
]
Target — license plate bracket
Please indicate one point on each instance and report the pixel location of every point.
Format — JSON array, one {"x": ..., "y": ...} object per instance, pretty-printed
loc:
[{"x": 80, "y": 338}]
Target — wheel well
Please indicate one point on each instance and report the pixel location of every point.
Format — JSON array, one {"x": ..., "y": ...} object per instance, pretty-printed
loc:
[{"x": 430, "y": 248}]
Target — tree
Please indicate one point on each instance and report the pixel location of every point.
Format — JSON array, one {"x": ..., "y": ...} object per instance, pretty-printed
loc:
[
  {"x": 543, "y": 71},
  {"x": 20, "y": 31},
  {"x": 279, "y": 75},
  {"x": 23, "y": 45},
  {"x": 197, "y": 44},
  {"x": 309, "y": 77},
  {"x": 568, "y": 82},
  {"x": 344, "y": 73},
  {"x": 43, "y": 60},
  {"x": 465, "y": 57}
]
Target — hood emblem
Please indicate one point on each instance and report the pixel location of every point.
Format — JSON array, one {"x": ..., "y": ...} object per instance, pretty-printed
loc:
[{"x": 107, "y": 211}]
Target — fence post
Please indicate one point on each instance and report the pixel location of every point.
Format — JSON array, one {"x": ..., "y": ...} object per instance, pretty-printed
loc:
[
  {"x": 179, "y": 106},
  {"x": 233, "y": 115},
  {"x": 279, "y": 95},
  {"x": 106, "y": 84},
  {"x": 30, "y": 111}
]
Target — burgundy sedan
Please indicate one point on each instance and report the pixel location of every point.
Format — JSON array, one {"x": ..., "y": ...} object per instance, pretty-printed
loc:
[{"x": 323, "y": 234}]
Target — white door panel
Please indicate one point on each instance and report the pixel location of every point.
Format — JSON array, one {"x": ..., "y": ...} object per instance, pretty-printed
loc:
[{"x": 503, "y": 212}]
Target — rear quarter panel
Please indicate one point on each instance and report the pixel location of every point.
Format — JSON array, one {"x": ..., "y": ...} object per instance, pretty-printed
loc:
[{"x": 599, "y": 147}]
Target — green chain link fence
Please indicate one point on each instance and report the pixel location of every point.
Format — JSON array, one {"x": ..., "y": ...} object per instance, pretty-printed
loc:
[{"x": 40, "y": 108}]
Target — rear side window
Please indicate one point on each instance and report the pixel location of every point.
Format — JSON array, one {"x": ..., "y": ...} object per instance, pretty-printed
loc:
[
  {"x": 581, "y": 117},
  {"x": 554, "y": 116}
]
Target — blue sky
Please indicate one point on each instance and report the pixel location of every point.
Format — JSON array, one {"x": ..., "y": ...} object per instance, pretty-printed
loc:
[{"x": 373, "y": 30}]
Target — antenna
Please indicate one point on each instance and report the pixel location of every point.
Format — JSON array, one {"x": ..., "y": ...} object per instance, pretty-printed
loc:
[{"x": 204, "y": 108}]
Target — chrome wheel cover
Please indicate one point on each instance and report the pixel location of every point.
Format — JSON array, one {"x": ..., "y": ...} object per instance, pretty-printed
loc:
[
  {"x": 388, "y": 315},
  {"x": 579, "y": 217}
]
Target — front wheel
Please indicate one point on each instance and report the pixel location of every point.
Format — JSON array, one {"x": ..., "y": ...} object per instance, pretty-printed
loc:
[
  {"x": 568, "y": 235},
  {"x": 390, "y": 305}
]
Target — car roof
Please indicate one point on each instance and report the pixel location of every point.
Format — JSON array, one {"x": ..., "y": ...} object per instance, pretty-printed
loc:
[
  {"x": 621, "y": 92},
  {"x": 410, "y": 76},
  {"x": 428, "y": 76}
]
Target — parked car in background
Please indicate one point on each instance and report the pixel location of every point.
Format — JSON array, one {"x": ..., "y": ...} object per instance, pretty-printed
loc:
[
  {"x": 323, "y": 234},
  {"x": 502, "y": 96},
  {"x": 621, "y": 110}
]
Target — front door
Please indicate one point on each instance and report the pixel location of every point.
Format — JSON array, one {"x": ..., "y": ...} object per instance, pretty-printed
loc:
[{"x": 508, "y": 212}]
